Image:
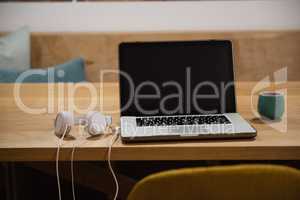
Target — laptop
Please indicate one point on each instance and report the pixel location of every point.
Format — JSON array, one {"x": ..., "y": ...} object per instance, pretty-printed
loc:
[{"x": 179, "y": 90}]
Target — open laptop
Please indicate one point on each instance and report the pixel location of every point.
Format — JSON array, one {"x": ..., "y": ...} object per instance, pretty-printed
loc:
[{"x": 179, "y": 90}]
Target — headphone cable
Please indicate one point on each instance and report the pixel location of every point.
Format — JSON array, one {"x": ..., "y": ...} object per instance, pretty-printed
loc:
[
  {"x": 75, "y": 145},
  {"x": 113, "y": 140},
  {"x": 72, "y": 171},
  {"x": 59, "y": 144}
]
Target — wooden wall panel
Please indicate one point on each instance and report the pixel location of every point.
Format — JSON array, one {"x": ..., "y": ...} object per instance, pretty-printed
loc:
[{"x": 257, "y": 54}]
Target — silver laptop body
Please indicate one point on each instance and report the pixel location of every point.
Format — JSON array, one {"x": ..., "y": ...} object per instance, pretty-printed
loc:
[{"x": 148, "y": 63}]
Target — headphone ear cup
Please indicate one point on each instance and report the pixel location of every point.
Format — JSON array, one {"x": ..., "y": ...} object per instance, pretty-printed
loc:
[
  {"x": 96, "y": 123},
  {"x": 63, "y": 122}
]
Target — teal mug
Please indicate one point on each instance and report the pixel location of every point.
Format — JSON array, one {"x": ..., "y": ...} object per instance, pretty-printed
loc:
[{"x": 271, "y": 105}]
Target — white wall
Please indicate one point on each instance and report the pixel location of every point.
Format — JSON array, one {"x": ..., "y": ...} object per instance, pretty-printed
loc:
[{"x": 151, "y": 16}]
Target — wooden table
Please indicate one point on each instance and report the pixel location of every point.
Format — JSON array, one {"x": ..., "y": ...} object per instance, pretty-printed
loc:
[{"x": 29, "y": 137}]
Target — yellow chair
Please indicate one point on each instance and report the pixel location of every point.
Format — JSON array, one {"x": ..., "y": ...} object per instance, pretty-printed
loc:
[{"x": 240, "y": 182}]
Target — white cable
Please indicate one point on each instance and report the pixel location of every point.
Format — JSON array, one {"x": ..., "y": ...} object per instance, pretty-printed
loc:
[
  {"x": 113, "y": 140},
  {"x": 72, "y": 171},
  {"x": 57, "y": 173},
  {"x": 75, "y": 145},
  {"x": 59, "y": 143}
]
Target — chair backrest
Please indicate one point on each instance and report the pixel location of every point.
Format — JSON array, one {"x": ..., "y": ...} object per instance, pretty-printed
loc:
[{"x": 240, "y": 182}]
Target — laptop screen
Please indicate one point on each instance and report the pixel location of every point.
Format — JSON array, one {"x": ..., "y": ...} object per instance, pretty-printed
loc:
[{"x": 176, "y": 78}]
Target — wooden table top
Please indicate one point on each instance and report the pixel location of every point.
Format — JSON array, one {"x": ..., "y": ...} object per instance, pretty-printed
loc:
[{"x": 30, "y": 137}]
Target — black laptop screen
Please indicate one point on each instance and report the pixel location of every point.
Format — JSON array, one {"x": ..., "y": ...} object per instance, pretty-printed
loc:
[{"x": 176, "y": 78}]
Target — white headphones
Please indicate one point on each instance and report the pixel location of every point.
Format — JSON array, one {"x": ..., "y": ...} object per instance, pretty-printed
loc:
[{"x": 95, "y": 123}]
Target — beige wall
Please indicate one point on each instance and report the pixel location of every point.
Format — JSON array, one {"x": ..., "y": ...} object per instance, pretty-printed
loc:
[{"x": 151, "y": 16}]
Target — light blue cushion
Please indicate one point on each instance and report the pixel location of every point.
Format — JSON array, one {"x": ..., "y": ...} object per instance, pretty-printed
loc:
[
  {"x": 15, "y": 50},
  {"x": 71, "y": 71},
  {"x": 8, "y": 75}
]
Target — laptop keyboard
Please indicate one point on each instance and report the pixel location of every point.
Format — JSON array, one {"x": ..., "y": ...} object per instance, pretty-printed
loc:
[{"x": 182, "y": 120}]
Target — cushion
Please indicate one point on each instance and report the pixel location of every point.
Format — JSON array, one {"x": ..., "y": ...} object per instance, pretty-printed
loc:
[
  {"x": 71, "y": 71},
  {"x": 15, "y": 50}
]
